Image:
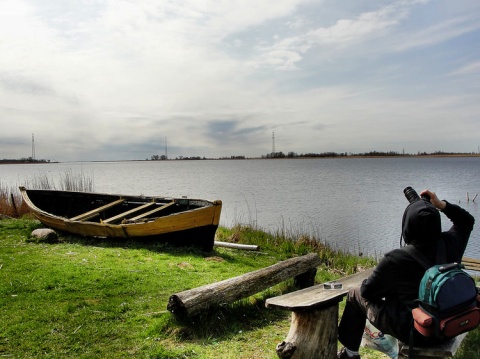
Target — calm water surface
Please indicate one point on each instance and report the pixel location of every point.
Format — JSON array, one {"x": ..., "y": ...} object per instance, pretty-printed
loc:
[{"x": 352, "y": 204}]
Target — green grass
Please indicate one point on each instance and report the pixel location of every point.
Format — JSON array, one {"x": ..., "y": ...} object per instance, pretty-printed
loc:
[{"x": 93, "y": 298}]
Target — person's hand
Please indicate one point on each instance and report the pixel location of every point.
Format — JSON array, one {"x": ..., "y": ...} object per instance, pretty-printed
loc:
[{"x": 434, "y": 199}]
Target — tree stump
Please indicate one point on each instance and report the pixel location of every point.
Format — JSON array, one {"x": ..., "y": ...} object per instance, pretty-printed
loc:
[
  {"x": 314, "y": 323},
  {"x": 312, "y": 335}
]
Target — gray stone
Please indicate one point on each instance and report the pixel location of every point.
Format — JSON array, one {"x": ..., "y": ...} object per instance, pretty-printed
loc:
[{"x": 45, "y": 234}]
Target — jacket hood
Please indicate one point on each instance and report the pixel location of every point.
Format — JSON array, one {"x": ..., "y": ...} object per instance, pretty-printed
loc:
[{"x": 421, "y": 224}]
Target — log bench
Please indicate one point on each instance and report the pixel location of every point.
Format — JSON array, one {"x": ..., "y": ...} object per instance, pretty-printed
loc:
[
  {"x": 193, "y": 301},
  {"x": 449, "y": 348},
  {"x": 314, "y": 323}
]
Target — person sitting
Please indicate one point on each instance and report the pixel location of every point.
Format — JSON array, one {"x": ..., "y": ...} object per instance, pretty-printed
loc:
[{"x": 386, "y": 297}]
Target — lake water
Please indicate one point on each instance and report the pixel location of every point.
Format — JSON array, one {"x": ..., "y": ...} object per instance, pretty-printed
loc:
[{"x": 354, "y": 204}]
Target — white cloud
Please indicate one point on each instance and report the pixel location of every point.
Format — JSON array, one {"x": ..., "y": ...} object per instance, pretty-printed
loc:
[
  {"x": 439, "y": 32},
  {"x": 285, "y": 53},
  {"x": 471, "y": 68}
]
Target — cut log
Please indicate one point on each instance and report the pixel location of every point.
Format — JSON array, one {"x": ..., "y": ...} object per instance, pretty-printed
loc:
[
  {"x": 311, "y": 335},
  {"x": 191, "y": 302},
  {"x": 246, "y": 247}
]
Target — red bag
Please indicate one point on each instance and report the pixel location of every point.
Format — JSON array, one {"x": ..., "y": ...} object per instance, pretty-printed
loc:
[
  {"x": 449, "y": 327},
  {"x": 460, "y": 323},
  {"x": 422, "y": 322}
]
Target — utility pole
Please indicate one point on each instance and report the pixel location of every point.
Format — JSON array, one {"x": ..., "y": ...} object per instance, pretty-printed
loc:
[
  {"x": 273, "y": 144},
  {"x": 33, "y": 146},
  {"x": 166, "y": 156}
]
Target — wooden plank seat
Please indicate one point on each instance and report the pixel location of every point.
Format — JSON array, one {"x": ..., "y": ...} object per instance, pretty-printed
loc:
[
  {"x": 444, "y": 350},
  {"x": 127, "y": 213},
  {"x": 96, "y": 211},
  {"x": 314, "y": 322},
  {"x": 471, "y": 263},
  {"x": 153, "y": 211}
]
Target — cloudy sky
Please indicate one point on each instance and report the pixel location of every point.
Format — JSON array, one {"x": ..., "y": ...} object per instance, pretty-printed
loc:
[{"x": 112, "y": 79}]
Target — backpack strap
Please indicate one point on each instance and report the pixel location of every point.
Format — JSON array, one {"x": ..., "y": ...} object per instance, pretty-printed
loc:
[
  {"x": 426, "y": 263},
  {"x": 441, "y": 258},
  {"x": 418, "y": 256},
  {"x": 441, "y": 252}
]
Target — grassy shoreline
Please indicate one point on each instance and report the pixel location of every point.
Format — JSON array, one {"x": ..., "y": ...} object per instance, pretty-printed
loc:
[{"x": 95, "y": 298}]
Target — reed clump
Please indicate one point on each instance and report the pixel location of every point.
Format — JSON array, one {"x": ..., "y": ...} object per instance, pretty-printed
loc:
[
  {"x": 11, "y": 201},
  {"x": 294, "y": 243},
  {"x": 66, "y": 181}
]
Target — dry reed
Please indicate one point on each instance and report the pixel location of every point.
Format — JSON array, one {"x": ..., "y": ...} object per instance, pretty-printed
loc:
[{"x": 11, "y": 201}]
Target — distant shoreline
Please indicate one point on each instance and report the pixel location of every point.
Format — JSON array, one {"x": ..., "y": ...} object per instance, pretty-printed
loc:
[{"x": 338, "y": 156}]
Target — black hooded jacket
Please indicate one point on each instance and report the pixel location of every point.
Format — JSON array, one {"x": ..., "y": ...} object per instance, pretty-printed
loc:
[{"x": 397, "y": 277}]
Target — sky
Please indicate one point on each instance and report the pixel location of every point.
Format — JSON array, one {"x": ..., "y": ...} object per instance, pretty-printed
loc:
[{"x": 126, "y": 79}]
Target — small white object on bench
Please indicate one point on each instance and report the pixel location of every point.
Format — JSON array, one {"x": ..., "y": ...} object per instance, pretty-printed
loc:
[{"x": 314, "y": 324}]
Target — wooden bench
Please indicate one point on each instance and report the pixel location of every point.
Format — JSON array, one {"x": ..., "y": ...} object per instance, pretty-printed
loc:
[
  {"x": 449, "y": 348},
  {"x": 313, "y": 329},
  {"x": 444, "y": 350},
  {"x": 314, "y": 323},
  {"x": 192, "y": 302},
  {"x": 471, "y": 263}
]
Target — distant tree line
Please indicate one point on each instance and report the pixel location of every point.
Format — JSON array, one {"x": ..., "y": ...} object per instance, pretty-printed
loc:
[
  {"x": 24, "y": 160},
  {"x": 158, "y": 158},
  {"x": 441, "y": 153},
  {"x": 327, "y": 154},
  {"x": 322, "y": 155},
  {"x": 378, "y": 153},
  {"x": 361, "y": 154},
  {"x": 163, "y": 158}
]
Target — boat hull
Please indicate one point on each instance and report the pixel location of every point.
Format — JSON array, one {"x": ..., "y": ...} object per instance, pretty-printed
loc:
[{"x": 178, "y": 221}]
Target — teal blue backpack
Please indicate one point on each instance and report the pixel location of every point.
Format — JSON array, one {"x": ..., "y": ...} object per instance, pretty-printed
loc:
[
  {"x": 447, "y": 288},
  {"x": 447, "y": 300}
]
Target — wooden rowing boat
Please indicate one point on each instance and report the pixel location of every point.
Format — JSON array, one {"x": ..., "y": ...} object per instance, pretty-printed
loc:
[{"x": 181, "y": 221}]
